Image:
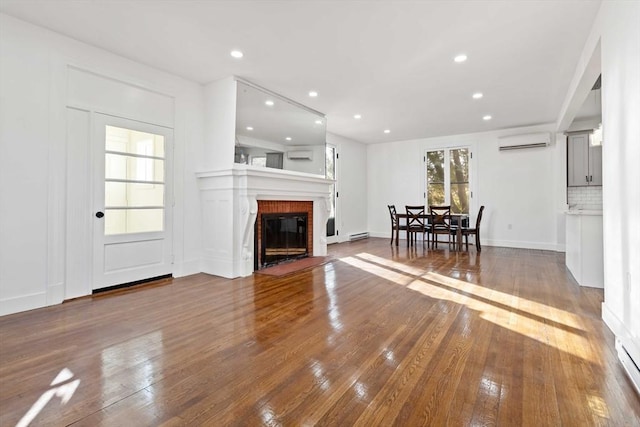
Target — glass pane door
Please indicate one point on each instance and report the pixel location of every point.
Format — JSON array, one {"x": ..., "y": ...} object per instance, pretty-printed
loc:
[
  {"x": 459, "y": 180},
  {"x": 448, "y": 182},
  {"x": 134, "y": 186},
  {"x": 435, "y": 178}
]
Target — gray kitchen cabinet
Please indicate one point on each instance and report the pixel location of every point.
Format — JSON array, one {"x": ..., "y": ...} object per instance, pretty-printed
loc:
[{"x": 584, "y": 161}]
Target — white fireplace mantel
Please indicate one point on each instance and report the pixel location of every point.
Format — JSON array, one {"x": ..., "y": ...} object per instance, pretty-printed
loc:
[{"x": 229, "y": 208}]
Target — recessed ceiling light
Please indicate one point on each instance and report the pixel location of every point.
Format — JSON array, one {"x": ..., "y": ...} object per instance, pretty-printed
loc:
[
  {"x": 318, "y": 122},
  {"x": 313, "y": 93},
  {"x": 249, "y": 128},
  {"x": 269, "y": 103},
  {"x": 487, "y": 117},
  {"x": 237, "y": 54},
  {"x": 460, "y": 58},
  {"x": 387, "y": 131},
  {"x": 357, "y": 116},
  {"x": 288, "y": 138},
  {"x": 477, "y": 95}
]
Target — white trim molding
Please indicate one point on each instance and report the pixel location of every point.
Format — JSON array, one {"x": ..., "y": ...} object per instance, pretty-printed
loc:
[{"x": 229, "y": 200}]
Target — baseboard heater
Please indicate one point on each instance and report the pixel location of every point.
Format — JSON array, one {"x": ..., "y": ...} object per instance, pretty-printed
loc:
[
  {"x": 358, "y": 236},
  {"x": 629, "y": 365}
]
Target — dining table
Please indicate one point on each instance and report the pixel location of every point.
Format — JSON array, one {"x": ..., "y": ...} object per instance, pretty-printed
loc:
[{"x": 457, "y": 218}]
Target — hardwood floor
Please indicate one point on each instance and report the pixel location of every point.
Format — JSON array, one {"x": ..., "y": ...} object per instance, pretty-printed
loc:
[{"x": 382, "y": 335}]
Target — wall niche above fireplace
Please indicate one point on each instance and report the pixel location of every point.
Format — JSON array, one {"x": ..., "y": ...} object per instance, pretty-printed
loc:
[{"x": 275, "y": 132}]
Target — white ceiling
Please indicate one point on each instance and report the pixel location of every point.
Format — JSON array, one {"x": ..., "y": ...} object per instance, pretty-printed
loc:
[{"x": 391, "y": 61}]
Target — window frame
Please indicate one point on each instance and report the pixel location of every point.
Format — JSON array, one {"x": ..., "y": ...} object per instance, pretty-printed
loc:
[{"x": 471, "y": 147}]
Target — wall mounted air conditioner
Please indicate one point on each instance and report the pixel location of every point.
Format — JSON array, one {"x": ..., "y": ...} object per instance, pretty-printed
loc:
[
  {"x": 300, "y": 155},
  {"x": 529, "y": 140}
]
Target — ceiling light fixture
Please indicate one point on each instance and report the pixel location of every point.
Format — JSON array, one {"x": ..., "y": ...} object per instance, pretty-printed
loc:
[
  {"x": 237, "y": 54},
  {"x": 357, "y": 116},
  {"x": 313, "y": 93},
  {"x": 249, "y": 128},
  {"x": 477, "y": 95},
  {"x": 318, "y": 122},
  {"x": 460, "y": 58},
  {"x": 387, "y": 131},
  {"x": 269, "y": 103},
  {"x": 288, "y": 138},
  {"x": 487, "y": 117}
]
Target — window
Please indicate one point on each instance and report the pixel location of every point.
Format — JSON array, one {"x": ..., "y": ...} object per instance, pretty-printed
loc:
[
  {"x": 448, "y": 183},
  {"x": 144, "y": 165}
]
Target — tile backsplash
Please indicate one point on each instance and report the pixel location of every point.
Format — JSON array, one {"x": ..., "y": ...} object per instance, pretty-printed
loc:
[{"x": 585, "y": 198}]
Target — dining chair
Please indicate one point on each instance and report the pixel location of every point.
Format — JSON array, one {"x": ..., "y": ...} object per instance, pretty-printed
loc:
[
  {"x": 394, "y": 221},
  {"x": 416, "y": 223},
  {"x": 466, "y": 231},
  {"x": 440, "y": 223}
]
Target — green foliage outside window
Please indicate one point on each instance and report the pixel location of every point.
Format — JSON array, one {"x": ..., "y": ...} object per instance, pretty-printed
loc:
[{"x": 458, "y": 169}]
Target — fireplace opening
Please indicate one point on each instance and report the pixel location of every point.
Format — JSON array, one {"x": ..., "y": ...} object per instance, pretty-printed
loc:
[{"x": 284, "y": 238}]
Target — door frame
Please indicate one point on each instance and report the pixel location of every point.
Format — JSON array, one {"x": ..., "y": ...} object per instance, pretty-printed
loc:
[
  {"x": 98, "y": 123},
  {"x": 336, "y": 237}
]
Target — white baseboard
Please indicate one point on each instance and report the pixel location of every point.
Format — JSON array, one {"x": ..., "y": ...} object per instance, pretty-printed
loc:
[
  {"x": 23, "y": 303},
  {"x": 611, "y": 320},
  {"x": 517, "y": 244},
  {"x": 217, "y": 266},
  {"x": 493, "y": 242},
  {"x": 187, "y": 268},
  {"x": 375, "y": 234},
  {"x": 55, "y": 293}
]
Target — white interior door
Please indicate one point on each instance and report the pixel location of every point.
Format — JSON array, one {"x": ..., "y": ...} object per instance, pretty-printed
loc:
[{"x": 132, "y": 201}]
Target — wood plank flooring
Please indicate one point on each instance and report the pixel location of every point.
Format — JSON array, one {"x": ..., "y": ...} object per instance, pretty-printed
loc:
[{"x": 381, "y": 335}]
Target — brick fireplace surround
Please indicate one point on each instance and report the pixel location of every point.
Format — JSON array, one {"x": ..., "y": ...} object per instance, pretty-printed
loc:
[{"x": 283, "y": 206}]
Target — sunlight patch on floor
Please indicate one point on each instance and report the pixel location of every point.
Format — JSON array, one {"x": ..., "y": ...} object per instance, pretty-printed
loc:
[
  {"x": 64, "y": 389},
  {"x": 541, "y": 322},
  {"x": 598, "y": 406},
  {"x": 385, "y": 273},
  {"x": 532, "y": 307},
  {"x": 391, "y": 264},
  {"x": 507, "y": 314}
]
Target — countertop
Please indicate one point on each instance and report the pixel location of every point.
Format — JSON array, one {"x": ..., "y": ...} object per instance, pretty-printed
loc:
[{"x": 583, "y": 212}]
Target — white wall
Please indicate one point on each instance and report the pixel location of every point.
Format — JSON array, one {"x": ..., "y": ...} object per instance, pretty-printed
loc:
[
  {"x": 38, "y": 168},
  {"x": 219, "y": 124},
  {"x": 352, "y": 186},
  {"x": 615, "y": 38},
  {"x": 521, "y": 188}
]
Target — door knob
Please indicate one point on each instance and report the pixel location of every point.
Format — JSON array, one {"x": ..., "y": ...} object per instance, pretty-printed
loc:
[{"x": 99, "y": 214}]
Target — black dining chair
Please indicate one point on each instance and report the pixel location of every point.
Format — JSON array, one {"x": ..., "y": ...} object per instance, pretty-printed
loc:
[
  {"x": 394, "y": 221},
  {"x": 466, "y": 231},
  {"x": 440, "y": 223},
  {"x": 416, "y": 223}
]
